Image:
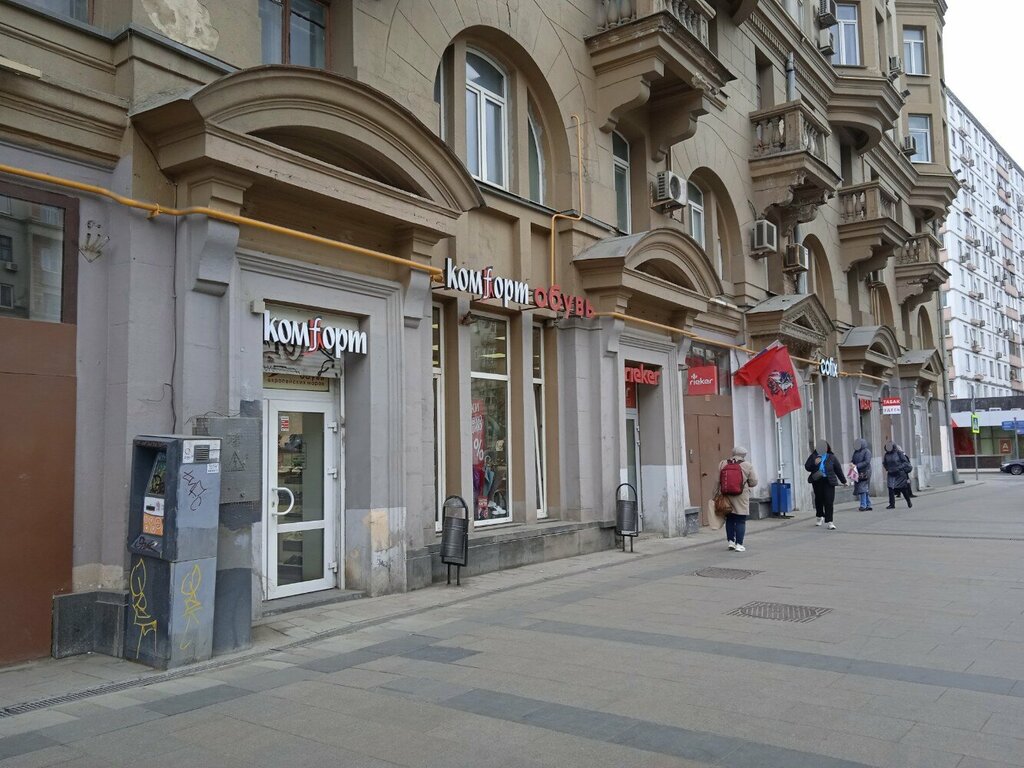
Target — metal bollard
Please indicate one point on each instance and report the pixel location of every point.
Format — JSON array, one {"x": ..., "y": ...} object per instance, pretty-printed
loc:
[
  {"x": 627, "y": 516},
  {"x": 454, "y": 537}
]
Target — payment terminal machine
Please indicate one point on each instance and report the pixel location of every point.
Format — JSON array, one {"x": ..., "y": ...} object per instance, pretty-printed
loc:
[{"x": 172, "y": 546}]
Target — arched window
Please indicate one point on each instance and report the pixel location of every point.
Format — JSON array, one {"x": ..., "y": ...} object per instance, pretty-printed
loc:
[
  {"x": 620, "y": 163},
  {"x": 536, "y": 156},
  {"x": 695, "y": 205},
  {"x": 486, "y": 137}
]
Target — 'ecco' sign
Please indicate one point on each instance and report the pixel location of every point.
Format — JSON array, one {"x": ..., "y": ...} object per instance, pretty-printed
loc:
[
  {"x": 828, "y": 366},
  {"x": 640, "y": 375}
]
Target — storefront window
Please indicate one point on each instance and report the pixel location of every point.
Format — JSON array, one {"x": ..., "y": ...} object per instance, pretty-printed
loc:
[
  {"x": 538, "y": 423},
  {"x": 31, "y": 259},
  {"x": 705, "y": 360},
  {"x": 437, "y": 366},
  {"x": 489, "y": 412}
]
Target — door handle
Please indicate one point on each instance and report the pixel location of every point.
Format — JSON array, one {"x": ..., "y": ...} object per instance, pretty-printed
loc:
[{"x": 291, "y": 496}]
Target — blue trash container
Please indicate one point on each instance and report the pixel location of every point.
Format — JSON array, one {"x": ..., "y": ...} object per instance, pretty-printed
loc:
[{"x": 782, "y": 498}]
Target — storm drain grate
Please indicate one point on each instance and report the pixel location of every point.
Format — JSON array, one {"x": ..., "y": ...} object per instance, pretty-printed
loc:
[
  {"x": 780, "y": 612},
  {"x": 725, "y": 573}
]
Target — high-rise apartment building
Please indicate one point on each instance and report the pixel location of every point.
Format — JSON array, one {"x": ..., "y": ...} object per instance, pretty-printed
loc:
[{"x": 984, "y": 245}]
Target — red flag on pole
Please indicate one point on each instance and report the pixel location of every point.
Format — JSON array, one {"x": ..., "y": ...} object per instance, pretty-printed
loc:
[{"x": 772, "y": 369}]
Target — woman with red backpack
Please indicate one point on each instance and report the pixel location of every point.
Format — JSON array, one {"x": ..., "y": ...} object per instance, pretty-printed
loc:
[{"x": 736, "y": 476}]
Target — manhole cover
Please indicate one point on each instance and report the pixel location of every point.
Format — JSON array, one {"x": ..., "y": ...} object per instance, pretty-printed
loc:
[
  {"x": 780, "y": 611},
  {"x": 725, "y": 573}
]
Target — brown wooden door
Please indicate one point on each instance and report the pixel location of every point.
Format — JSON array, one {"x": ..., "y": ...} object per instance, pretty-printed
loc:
[
  {"x": 37, "y": 463},
  {"x": 709, "y": 439}
]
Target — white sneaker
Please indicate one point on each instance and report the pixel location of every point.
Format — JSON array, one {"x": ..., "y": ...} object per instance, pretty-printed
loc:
[
  {"x": 740, "y": 548},
  {"x": 732, "y": 545},
  {"x": 831, "y": 526},
  {"x": 820, "y": 521}
]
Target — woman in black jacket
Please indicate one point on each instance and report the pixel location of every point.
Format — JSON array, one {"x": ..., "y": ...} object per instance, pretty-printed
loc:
[
  {"x": 826, "y": 474},
  {"x": 897, "y": 469}
]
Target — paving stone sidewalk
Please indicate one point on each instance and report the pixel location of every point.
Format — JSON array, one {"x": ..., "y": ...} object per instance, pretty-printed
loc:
[{"x": 915, "y": 658}]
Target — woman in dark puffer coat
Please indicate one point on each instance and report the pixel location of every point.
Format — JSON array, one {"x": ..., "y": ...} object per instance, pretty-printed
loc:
[
  {"x": 897, "y": 469},
  {"x": 862, "y": 460}
]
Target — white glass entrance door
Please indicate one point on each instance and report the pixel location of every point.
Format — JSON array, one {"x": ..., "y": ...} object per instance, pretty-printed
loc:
[
  {"x": 633, "y": 453},
  {"x": 303, "y": 467}
]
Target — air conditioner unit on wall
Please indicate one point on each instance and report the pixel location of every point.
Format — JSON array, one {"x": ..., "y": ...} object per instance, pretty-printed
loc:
[
  {"x": 895, "y": 66},
  {"x": 669, "y": 190},
  {"x": 797, "y": 258},
  {"x": 909, "y": 145},
  {"x": 826, "y": 42},
  {"x": 10, "y": 266},
  {"x": 764, "y": 238},
  {"x": 828, "y": 13},
  {"x": 875, "y": 279}
]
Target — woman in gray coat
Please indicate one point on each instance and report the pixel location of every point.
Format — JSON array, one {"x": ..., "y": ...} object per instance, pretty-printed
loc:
[{"x": 862, "y": 460}]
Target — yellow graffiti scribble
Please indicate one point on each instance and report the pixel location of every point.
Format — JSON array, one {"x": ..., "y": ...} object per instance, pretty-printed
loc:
[
  {"x": 142, "y": 619},
  {"x": 190, "y": 588}
]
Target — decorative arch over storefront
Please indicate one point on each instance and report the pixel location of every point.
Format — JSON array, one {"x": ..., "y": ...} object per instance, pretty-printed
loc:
[
  {"x": 798, "y": 321},
  {"x": 923, "y": 367},
  {"x": 870, "y": 349},
  {"x": 661, "y": 269},
  {"x": 320, "y": 135}
]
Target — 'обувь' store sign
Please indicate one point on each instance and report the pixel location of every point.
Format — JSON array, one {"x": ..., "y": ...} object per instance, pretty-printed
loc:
[{"x": 484, "y": 284}]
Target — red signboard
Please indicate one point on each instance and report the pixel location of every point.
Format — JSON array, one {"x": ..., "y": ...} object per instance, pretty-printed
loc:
[
  {"x": 630, "y": 394},
  {"x": 865, "y": 404},
  {"x": 702, "y": 380},
  {"x": 1005, "y": 447},
  {"x": 891, "y": 406}
]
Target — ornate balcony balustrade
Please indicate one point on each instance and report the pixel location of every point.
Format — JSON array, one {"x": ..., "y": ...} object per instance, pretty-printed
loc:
[
  {"x": 694, "y": 15},
  {"x": 919, "y": 271},
  {"x": 789, "y": 163}
]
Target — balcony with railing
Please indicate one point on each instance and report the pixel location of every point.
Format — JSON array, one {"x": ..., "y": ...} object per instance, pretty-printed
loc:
[
  {"x": 789, "y": 162},
  {"x": 870, "y": 227},
  {"x": 656, "y": 51},
  {"x": 865, "y": 105}
]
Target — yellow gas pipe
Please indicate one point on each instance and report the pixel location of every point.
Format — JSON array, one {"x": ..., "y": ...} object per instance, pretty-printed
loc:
[{"x": 156, "y": 210}]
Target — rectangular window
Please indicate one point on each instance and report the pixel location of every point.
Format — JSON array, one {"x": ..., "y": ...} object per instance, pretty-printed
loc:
[
  {"x": 32, "y": 256},
  {"x": 73, "y": 9},
  {"x": 486, "y": 141},
  {"x": 489, "y": 409},
  {"x": 540, "y": 457},
  {"x": 294, "y": 32},
  {"x": 847, "y": 37},
  {"x": 921, "y": 129},
  {"x": 913, "y": 50},
  {"x": 437, "y": 367},
  {"x": 6, "y": 296},
  {"x": 620, "y": 161}
]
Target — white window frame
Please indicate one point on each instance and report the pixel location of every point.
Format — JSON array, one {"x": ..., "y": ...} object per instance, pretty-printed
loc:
[
  {"x": 437, "y": 387},
  {"x": 914, "y": 61},
  {"x": 535, "y": 134},
  {"x": 622, "y": 164},
  {"x": 693, "y": 210},
  {"x": 924, "y": 148},
  {"x": 485, "y": 96},
  {"x": 439, "y": 97},
  {"x": 842, "y": 57},
  {"x": 507, "y": 378},
  {"x": 540, "y": 456}
]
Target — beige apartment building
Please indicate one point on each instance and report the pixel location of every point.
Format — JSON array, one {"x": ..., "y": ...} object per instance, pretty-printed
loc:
[{"x": 398, "y": 250}]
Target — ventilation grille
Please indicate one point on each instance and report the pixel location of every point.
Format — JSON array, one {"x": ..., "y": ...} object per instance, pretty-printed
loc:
[{"x": 780, "y": 612}]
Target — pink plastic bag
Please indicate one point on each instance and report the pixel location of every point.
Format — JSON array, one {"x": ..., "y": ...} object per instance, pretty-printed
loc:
[{"x": 852, "y": 474}]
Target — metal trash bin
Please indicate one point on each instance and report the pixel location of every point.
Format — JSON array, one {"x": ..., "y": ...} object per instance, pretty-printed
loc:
[
  {"x": 627, "y": 516},
  {"x": 454, "y": 537},
  {"x": 782, "y": 498}
]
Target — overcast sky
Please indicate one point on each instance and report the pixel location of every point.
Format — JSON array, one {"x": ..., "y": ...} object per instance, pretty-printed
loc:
[{"x": 984, "y": 64}]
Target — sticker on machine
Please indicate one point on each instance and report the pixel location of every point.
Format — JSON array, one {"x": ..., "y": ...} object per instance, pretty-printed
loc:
[
  {"x": 152, "y": 524},
  {"x": 153, "y": 505},
  {"x": 213, "y": 469}
]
